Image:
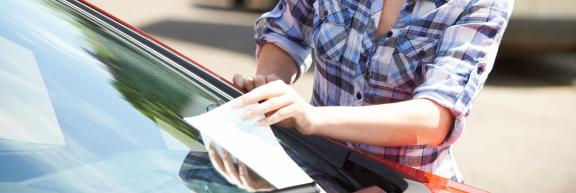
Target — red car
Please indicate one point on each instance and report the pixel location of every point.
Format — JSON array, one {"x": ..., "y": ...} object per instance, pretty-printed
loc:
[{"x": 92, "y": 104}]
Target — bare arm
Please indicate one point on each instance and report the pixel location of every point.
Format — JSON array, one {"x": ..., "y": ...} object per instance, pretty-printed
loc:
[
  {"x": 275, "y": 61},
  {"x": 413, "y": 122}
]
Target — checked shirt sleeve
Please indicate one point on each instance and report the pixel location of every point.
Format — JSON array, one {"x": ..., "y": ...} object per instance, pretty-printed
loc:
[
  {"x": 288, "y": 26},
  {"x": 464, "y": 58}
]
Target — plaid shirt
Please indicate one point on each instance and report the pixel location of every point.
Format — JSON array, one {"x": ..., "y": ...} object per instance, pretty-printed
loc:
[{"x": 440, "y": 50}]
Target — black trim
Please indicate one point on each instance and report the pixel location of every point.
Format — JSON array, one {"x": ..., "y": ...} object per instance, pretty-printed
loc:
[{"x": 360, "y": 170}]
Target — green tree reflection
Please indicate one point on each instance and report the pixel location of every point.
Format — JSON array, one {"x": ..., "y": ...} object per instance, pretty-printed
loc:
[{"x": 146, "y": 82}]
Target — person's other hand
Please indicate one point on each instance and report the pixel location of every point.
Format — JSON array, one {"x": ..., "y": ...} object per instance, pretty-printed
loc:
[
  {"x": 248, "y": 83},
  {"x": 235, "y": 171},
  {"x": 281, "y": 104}
]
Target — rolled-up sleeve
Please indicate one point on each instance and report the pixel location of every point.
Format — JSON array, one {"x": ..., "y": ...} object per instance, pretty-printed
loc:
[
  {"x": 464, "y": 58},
  {"x": 288, "y": 26}
]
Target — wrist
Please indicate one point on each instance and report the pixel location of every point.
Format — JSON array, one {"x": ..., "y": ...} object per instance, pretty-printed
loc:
[{"x": 319, "y": 121}]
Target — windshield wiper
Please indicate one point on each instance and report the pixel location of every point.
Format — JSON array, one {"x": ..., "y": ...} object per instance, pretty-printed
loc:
[{"x": 359, "y": 170}]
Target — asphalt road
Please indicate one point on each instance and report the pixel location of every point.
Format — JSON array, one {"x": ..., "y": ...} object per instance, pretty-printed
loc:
[{"x": 519, "y": 137}]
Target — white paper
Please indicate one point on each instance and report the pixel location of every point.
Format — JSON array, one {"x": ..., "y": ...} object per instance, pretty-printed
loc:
[{"x": 255, "y": 146}]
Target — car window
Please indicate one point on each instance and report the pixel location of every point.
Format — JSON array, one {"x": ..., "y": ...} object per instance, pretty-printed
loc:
[{"x": 86, "y": 109}]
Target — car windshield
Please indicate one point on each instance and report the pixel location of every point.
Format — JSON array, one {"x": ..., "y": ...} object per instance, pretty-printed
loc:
[{"x": 84, "y": 108}]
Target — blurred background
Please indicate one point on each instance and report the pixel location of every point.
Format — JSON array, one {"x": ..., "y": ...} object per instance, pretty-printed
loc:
[{"x": 521, "y": 134}]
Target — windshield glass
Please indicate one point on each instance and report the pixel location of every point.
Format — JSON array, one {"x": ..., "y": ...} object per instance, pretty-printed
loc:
[{"x": 83, "y": 109}]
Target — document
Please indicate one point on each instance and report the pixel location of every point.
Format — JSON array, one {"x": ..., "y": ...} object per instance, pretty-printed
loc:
[{"x": 255, "y": 146}]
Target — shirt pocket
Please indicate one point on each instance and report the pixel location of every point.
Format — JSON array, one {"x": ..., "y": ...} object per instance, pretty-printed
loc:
[
  {"x": 419, "y": 49},
  {"x": 330, "y": 32},
  {"x": 412, "y": 52}
]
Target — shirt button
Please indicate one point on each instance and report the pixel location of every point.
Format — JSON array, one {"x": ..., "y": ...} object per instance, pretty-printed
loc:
[
  {"x": 358, "y": 95},
  {"x": 389, "y": 34},
  {"x": 421, "y": 54},
  {"x": 480, "y": 69}
]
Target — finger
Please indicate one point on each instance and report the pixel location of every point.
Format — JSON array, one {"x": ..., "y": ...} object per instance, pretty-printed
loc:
[
  {"x": 253, "y": 182},
  {"x": 244, "y": 176},
  {"x": 280, "y": 114},
  {"x": 238, "y": 81},
  {"x": 249, "y": 83},
  {"x": 259, "y": 80},
  {"x": 216, "y": 158},
  {"x": 230, "y": 167},
  {"x": 268, "y": 106},
  {"x": 217, "y": 162},
  {"x": 273, "y": 89}
]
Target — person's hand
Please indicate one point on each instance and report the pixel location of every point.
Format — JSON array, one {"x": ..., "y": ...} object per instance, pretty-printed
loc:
[
  {"x": 235, "y": 171},
  {"x": 282, "y": 105},
  {"x": 248, "y": 83}
]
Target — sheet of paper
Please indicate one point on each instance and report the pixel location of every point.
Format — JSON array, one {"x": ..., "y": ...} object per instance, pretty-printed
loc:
[{"x": 255, "y": 146}]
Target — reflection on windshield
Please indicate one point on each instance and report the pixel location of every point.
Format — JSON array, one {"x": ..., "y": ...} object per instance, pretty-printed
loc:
[
  {"x": 116, "y": 107},
  {"x": 19, "y": 118},
  {"x": 176, "y": 140}
]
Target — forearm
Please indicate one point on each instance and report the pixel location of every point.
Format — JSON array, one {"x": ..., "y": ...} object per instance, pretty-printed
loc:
[
  {"x": 414, "y": 122},
  {"x": 274, "y": 60}
]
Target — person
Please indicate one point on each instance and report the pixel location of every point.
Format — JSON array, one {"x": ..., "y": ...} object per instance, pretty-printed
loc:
[{"x": 393, "y": 78}]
